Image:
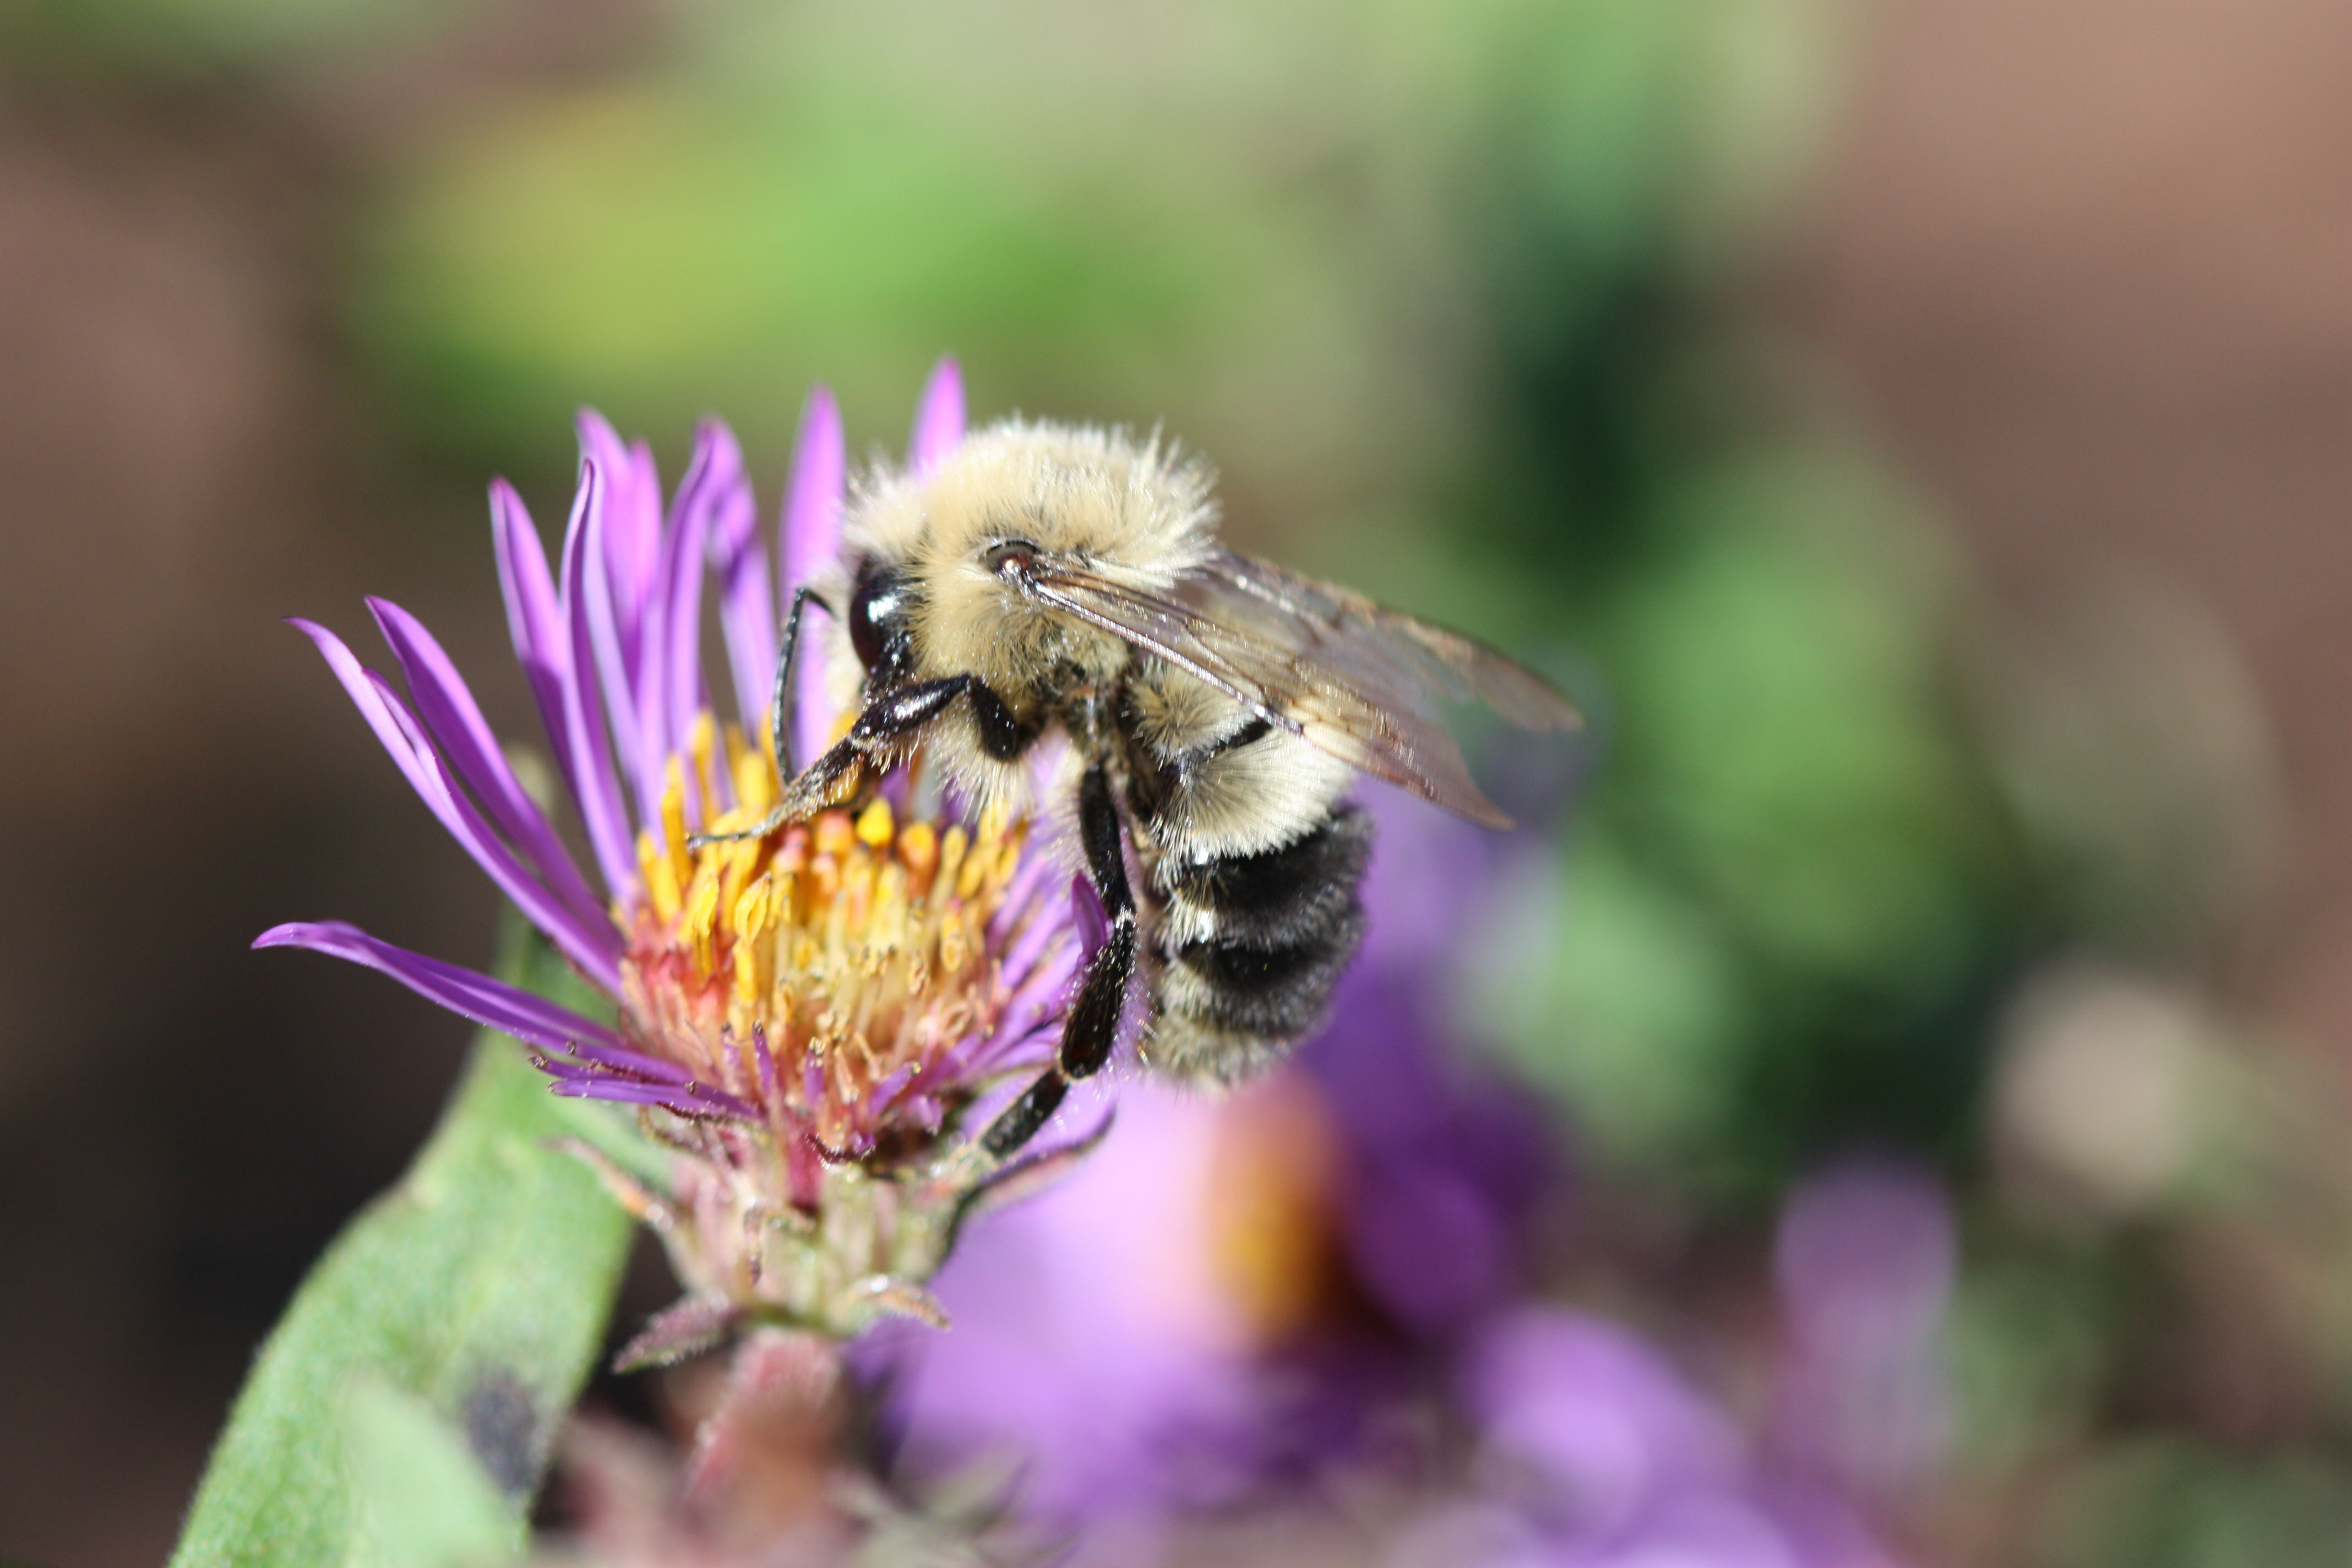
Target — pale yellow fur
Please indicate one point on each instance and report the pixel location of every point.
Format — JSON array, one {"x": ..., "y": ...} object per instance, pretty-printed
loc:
[{"x": 1138, "y": 510}]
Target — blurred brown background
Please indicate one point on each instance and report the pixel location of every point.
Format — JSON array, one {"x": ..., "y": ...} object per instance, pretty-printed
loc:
[{"x": 2081, "y": 268}]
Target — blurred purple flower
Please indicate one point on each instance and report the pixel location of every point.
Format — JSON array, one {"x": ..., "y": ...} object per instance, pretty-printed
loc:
[
  {"x": 1447, "y": 1160},
  {"x": 1135, "y": 1335},
  {"x": 1599, "y": 1453},
  {"x": 1098, "y": 1339},
  {"x": 1094, "y": 1343},
  {"x": 1864, "y": 1259},
  {"x": 737, "y": 969}
]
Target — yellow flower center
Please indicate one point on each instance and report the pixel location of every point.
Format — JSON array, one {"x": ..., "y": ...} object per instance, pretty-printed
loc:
[{"x": 851, "y": 952}]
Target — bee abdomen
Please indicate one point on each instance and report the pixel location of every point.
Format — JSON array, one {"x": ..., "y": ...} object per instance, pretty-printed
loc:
[
  {"x": 1279, "y": 899},
  {"x": 1252, "y": 947}
]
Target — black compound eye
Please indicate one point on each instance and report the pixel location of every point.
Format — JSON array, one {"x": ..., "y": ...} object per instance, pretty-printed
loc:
[
  {"x": 1009, "y": 556},
  {"x": 877, "y": 606}
]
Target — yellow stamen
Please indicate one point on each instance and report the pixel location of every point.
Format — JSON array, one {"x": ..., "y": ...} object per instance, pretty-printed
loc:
[
  {"x": 888, "y": 920},
  {"x": 701, "y": 917},
  {"x": 918, "y": 846},
  {"x": 753, "y": 912},
  {"x": 754, "y": 772},
  {"x": 702, "y": 741},
  {"x": 875, "y": 825},
  {"x": 736, "y": 864},
  {"x": 660, "y": 874},
  {"x": 834, "y": 835},
  {"x": 974, "y": 872},
  {"x": 1008, "y": 858},
  {"x": 951, "y": 851},
  {"x": 673, "y": 821}
]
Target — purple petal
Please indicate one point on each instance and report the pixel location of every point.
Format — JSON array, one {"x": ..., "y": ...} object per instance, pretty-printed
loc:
[
  {"x": 893, "y": 1082},
  {"x": 939, "y": 419},
  {"x": 977, "y": 1055},
  {"x": 578, "y": 1065},
  {"x": 534, "y": 618},
  {"x": 717, "y": 468},
  {"x": 625, "y": 681},
  {"x": 491, "y": 1003},
  {"x": 464, "y": 737},
  {"x": 1586, "y": 1404},
  {"x": 631, "y": 527},
  {"x": 362, "y": 693},
  {"x": 747, "y": 606},
  {"x": 1037, "y": 867},
  {"x": 1041, "y": 929},
  {"x": 702, "y": 1102},
  {"x": 810, "y": 541},
  {"x": 1087, "y": 909},
  {"x": 765, "y": 1062},
  {"x": 642, "y": 518},
  {"x": 591, "y": 944},
  {"x": 1043, "y": 995},
  {"x": 584, "y": 716},
  {"x": 620, "y": 1058}
]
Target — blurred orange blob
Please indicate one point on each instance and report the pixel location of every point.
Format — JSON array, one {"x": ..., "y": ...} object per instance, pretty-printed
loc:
[{"x": 1270, "y": 1208}]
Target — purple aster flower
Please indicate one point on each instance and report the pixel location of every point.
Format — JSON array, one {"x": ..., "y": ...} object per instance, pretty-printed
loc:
[
  {"x": 1599, "y": 1454},
  {"x": 1096, "y": 1343},
  {"x": 805, "y": 1017},
  {"x": 1448, "y": 1160}
]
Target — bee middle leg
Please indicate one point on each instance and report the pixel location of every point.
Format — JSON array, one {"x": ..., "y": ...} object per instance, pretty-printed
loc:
[{"x": 1092, "y": 1026}]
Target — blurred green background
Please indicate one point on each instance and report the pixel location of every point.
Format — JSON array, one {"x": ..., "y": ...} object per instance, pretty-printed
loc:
[{"x": 1914, "y": 431}]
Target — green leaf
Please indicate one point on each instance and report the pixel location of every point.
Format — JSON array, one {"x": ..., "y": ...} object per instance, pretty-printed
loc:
[
  {"x": 401, "y": 1413},
  {"x": 422, "y": 1499}
]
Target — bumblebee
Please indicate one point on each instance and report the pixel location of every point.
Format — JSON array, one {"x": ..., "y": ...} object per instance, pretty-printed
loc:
[{"x": 1046, "y": 578}]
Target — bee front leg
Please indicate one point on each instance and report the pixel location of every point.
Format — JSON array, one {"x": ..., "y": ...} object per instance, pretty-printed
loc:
[
  {"x": 780, "y": 723},
  {"x": 781, "y": 705},
  {"x": 1092, "y": 1026},
  {"x": 889, "y": 721}
]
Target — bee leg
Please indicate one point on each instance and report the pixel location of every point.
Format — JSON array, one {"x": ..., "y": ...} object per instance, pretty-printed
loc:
[
  {"x": 781, "y": 705},
  {"x": 832, "y": 776},
  {"x": 881, "y": 729},
  {"x": 1004, "y": 734},
  {"x": 1092, "y": 1026},
  {"x": 780, "y": 721}
]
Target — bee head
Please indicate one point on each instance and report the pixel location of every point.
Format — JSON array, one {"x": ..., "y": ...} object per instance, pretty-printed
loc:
[{"x": 953, "y": 555}]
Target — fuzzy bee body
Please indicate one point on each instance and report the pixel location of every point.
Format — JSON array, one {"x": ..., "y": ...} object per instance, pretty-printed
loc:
[
  {"x": 1048, "y": 579},
  {"x": 1253, "y": 865}
]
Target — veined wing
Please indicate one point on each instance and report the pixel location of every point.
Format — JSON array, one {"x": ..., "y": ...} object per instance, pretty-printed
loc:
[
  {"x": 1352, "y": 679},
  {"x": 1383, "y": 653}
]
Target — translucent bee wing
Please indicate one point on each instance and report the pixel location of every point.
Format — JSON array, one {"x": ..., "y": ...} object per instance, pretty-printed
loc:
[
  {"x": 1381, "y": 653},
  {"x": 1351, "y": 679}
]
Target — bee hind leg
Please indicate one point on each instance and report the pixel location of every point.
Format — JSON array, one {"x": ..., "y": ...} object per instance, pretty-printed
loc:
[{"x": 1092, "y": 1026}]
